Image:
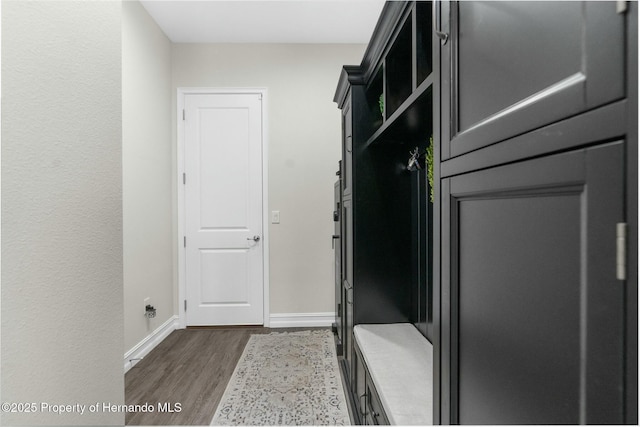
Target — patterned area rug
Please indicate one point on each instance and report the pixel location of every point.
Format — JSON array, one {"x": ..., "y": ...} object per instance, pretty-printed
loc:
[{"x": 285, "y": 379}]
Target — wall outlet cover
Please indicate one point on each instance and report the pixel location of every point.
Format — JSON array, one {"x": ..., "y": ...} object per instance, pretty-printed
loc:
[{"x": 147, "y": 301}]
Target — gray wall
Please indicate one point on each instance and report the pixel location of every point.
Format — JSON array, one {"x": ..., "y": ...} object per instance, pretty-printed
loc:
[
  {"x": 62, "y": 285},
  {"x": 147, "y": 177}
]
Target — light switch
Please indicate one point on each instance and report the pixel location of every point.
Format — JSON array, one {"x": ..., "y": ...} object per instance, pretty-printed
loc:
[{"x": 275, "y": 217}]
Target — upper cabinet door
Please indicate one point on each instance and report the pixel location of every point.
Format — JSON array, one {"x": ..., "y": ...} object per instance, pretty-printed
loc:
[{"x": 511, "y": 67}]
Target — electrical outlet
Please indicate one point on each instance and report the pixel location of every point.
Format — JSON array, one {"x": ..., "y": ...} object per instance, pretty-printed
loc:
[
  {"x": 275, "y": 217},
  {"x": 147, "y": 301}
]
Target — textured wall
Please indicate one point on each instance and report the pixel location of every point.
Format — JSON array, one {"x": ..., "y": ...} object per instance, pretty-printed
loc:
[
  {"x": 62, "y": 304},
  {"x": 147, "y": 177},
  {"x": 304, "y": 137}
]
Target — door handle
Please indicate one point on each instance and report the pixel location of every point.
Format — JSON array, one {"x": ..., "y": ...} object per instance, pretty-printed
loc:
[
  {"x": 254, "y": 238},
  {"x": 437, "y": 25},
  {"x": 363, "y": 408},
  {"x": 333, "y": 240}
]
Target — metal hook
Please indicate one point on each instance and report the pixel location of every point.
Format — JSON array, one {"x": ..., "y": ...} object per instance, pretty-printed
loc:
[{"x": 413, "y": 163}]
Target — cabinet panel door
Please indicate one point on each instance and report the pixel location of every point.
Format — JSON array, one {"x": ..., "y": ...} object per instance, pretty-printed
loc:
[
  {"x": 337, "y": 254},
  {"x": 375, "y": 411},
  {"x": 359, "y": 384},
  {"x": 347, "y": 210},
  {"x": 511, "y": 67},
  {"x": 347, "y": 277},
  {"x": 535, "y": 321},
  {"x": 347, "y": 146}
]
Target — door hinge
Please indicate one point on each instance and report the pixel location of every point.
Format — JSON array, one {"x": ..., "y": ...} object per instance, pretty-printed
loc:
[
  {"x": 183, "y": 114},
  {"x": 621, "y": 251},
  {"x": 621, "y": 6},
  {"x": 184, "y": 178},
  {"x": 185, "y": 241},
  {"x": 185, "y": 305}
]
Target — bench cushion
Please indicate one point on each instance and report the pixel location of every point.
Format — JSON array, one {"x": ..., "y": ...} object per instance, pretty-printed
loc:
[{"x": 400, "y": 362}]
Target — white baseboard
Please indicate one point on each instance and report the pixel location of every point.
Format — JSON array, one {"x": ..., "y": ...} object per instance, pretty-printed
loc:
[
  {"x": 140, "y": 350},
  {"x": 301, "y": 320}
]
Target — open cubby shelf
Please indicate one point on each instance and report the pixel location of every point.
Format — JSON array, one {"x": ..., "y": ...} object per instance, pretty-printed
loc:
[
  {"x": 423, "y": 41},
  {"x": 404, "y": 78},
  {"x": 411, "y": 121},
  {"x": 373, "y": 92},
  {"x": 398, "y": 70}
]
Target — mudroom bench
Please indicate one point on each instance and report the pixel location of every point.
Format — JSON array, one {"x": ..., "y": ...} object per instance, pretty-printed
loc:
[{"x": 393, "y": 375}]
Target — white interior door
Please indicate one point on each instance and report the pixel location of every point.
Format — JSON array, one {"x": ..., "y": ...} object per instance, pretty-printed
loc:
[{"x": 223, "y": 212}]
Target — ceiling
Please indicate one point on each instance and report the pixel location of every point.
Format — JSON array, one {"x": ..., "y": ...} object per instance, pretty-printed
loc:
[{"x": 266, "y": 21}]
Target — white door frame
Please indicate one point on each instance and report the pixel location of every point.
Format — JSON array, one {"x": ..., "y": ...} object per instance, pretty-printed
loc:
[{"x": 182, "y": 286}]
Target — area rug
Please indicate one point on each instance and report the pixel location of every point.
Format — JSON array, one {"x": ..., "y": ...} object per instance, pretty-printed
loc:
[{"x": 285, "y": 379}]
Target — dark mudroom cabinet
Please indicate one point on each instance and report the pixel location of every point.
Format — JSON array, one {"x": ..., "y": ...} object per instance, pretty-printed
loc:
[
  {"x": 386, "y": 105},
  {"x": 538, "y": 150},
  {"x": 522, "y": 273}
]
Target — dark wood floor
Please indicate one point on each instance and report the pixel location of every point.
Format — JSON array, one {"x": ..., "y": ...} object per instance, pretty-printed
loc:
[{"x": 191, "y": 367}]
